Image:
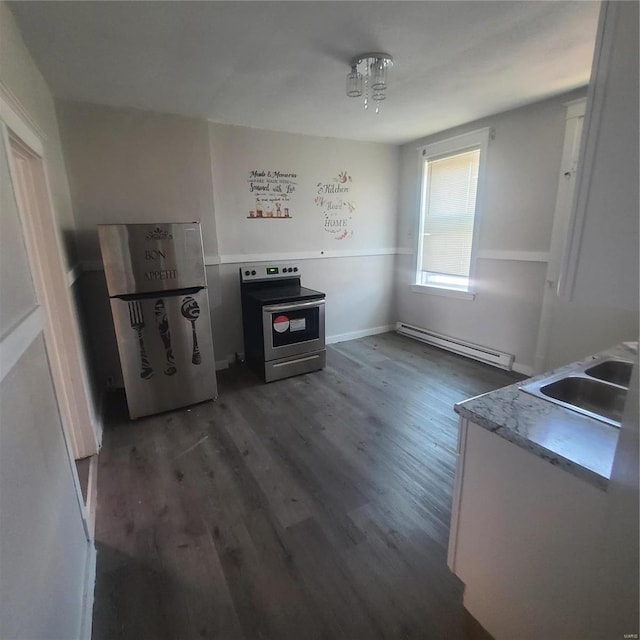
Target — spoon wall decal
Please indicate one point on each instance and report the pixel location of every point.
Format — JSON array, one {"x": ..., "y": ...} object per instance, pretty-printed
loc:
[{"x": 190, "y": 309}]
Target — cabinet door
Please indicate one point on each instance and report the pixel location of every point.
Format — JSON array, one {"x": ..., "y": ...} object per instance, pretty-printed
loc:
[
  {"x": 457, "y": 492},
  {"x": 525, "y": 540}
]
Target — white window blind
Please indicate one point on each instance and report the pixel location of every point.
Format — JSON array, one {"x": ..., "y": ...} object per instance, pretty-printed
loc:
[{"x": 449, "y": 204}]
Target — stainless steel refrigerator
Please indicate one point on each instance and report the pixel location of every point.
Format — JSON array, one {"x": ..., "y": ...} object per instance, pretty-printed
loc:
[{"x": 158, "y": 290}]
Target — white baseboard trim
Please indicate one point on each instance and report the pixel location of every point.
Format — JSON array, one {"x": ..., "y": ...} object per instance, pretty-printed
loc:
[
  {"x": 225, "y": 363},
  {"x": 92, "y": 495},
  {"x": 99, "y": 417},
  {"x": 86, "y": 614},
  {"x": 73, "y": 274},
  {"x": 354, "y": 335},
  {"x": 97, "y": 423}
]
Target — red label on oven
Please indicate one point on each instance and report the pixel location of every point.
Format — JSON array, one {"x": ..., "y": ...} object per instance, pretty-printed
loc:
[{"x": 281, "y": 323}]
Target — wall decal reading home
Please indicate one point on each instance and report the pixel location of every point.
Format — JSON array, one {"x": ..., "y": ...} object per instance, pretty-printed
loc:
[
  {"x": 272, "y": 191},
  {"x": 334, "y": 201}
]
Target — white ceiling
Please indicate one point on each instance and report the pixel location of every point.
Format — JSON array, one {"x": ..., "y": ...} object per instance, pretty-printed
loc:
[{"x": 282, "y": 65}]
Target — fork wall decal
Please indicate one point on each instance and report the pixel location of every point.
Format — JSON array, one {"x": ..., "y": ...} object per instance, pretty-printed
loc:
[{"x": 136, "y": 319}]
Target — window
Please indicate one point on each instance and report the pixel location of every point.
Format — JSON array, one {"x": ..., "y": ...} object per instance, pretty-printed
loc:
[{"x": 450, "y": 188}]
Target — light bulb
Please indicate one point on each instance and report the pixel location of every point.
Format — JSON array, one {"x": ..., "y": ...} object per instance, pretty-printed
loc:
[
  {"x": 354, "y": 83},
  {"x": 378, "y": 74}
]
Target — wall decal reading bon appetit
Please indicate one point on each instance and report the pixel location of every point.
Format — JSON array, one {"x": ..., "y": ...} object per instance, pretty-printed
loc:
[
  {"x": 272, "y": 191},
  {"x": 333, "y": 198}
]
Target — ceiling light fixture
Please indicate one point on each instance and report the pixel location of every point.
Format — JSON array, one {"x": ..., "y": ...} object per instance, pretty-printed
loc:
[{"x": 368, "y": 77}]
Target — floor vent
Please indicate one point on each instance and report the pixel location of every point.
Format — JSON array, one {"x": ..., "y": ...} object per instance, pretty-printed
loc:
[{"x": 483, "y": 354}]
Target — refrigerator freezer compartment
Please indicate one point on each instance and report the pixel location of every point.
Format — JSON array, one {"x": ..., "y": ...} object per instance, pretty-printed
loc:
[{"x": 151, "y": 257}]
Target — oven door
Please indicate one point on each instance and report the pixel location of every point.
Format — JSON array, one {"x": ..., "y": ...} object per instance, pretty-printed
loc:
[{"x": 293, "y": 328}]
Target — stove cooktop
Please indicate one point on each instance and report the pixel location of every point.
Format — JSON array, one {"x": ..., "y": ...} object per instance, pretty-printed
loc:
[{"x": 286, "y": 293}]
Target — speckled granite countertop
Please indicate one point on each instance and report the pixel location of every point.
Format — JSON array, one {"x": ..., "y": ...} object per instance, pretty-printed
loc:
[{"x": 581, "y": 445}]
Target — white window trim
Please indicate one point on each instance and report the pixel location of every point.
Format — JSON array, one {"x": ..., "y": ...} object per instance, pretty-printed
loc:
[
  {"x": 446, "y": 292},
  {"x": 478, "y": 139}
]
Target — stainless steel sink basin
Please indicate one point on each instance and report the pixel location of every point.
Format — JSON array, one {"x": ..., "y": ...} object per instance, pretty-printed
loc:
[
  {"x": 590, "y": 396},
  {"x": 596, "y": 389},
  {"x": 615, "y": 371}
]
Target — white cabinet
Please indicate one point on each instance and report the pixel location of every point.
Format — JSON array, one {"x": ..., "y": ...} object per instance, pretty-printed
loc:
[{"x": 524, "y": 540}]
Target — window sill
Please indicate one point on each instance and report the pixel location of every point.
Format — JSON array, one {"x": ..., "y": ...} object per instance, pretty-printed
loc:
[{"x": 443, "y": 291}]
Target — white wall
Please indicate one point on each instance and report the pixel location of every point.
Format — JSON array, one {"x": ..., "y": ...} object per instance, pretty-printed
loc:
[
  {"x": 603, "y": 309},
  {"x": 43, "y": 547},
  {"x": 134, "y": 166},
  {"x": 356, "y": 271},
  {"x": 24, "y": 86},
  {"x": 523, "y": 162},
  {"x": 359, "y": 299},
  {"x": 606, "y": 288},
  {"x": 127, "y": 165},
  {"x": 372, "y": 172}
]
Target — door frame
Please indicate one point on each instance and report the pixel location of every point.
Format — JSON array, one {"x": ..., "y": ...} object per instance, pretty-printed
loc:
[
  {"x": 574, "y": 121},
  {"x": 44, "y": 250}
]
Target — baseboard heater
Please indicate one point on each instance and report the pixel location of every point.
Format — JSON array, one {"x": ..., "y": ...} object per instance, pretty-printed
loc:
[{"x": 483, "y": 354}]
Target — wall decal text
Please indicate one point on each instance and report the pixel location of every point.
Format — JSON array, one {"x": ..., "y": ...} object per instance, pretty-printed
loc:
[
  {"x": 333, "y": 198},
  {"x": 272, "y": 192}
]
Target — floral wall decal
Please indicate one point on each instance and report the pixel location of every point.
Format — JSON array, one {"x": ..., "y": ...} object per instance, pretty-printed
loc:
[{"x": 331, "y": 198}]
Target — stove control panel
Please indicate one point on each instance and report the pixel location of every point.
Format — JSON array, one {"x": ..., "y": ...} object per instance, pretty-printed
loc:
[{"x": 250, "y": 273}]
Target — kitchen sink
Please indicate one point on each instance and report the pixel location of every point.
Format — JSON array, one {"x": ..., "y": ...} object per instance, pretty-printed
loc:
[
  {"x": 590, "y": 396},
  {"x": 595, "y": 389},
  {"x": 615, "y": 371}
]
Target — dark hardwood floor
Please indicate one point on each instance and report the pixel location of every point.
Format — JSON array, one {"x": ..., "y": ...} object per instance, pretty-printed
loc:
[{"x": 313, "y": 507}]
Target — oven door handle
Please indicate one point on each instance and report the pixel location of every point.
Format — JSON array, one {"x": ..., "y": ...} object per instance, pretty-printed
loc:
[{"x": 292, "y": 306}]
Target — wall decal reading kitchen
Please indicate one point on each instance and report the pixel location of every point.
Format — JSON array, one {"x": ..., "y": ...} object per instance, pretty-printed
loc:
[
  {"x": 273, "y": 192},
  {"x": 334, "y": 201}
]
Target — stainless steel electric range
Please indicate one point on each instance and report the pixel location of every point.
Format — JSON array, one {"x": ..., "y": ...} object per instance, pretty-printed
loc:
[{"x": 282, "y": 321}]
